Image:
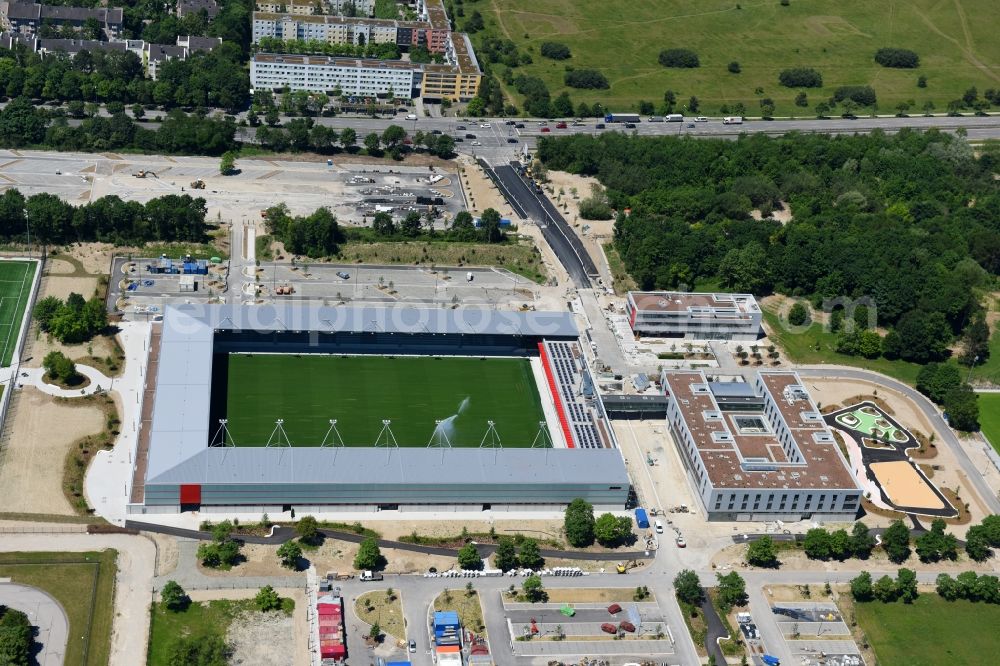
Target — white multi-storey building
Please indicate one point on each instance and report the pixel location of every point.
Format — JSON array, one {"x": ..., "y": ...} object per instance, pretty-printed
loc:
[
  {"x": 669, "y": 314},
  {"x": 352, "y": 76},
  {"x": 758, "y": 451}
]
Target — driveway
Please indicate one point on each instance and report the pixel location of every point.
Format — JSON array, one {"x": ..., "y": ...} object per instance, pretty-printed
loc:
[{"x": 43, "y": 612}]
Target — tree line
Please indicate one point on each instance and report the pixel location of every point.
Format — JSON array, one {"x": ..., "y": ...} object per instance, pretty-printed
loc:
[
  {"x": 218, "y": 78},
  {"x": 52, "y": 221},
  {"x": 382, "y": 51},
  {"x": 905, "y": 224}
]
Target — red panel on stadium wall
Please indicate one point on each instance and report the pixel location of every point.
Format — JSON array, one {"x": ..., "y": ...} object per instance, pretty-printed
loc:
[{"x": 190, "y": 493}]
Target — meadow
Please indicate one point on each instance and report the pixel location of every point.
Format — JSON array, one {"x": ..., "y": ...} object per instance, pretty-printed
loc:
[{"x": 955, "y": 41}]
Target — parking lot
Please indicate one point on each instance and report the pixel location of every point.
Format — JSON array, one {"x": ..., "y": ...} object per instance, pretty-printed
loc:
[{"x": 815, "y": 633}]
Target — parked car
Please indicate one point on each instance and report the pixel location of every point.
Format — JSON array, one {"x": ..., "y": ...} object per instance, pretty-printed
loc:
[
  {"x": 413, "y": 646},
  {"x": 681, "y": 543},
  {"x": 470, "y": 136},
  {"x": 511, "y": 140},
  {"x": 546, "y": 129},
  {"x": 343, "y": 275}
]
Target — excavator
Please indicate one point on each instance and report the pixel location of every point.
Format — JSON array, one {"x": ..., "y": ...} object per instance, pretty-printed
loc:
[
  {"x": 142, "y": 173},
  {"x": 197, "y": 184}
]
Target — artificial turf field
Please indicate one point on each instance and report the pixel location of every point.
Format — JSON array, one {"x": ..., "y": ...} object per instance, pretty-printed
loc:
[
  {"x": 955, "y": 40},
  {"x": 16, "y": 278},
  {"x": 360, "y": 391}
]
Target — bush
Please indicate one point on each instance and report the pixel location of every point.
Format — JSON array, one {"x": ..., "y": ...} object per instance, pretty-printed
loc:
[
  {"x": 734, "y": 67},
  {"x": 762, "y": 553},
  {"x": 611, "y": 530},
  {"x": 596, "y": 206},
  {"x": 173, "y": 596},
  {"x": 679, "y": 58},
  {"x": 936, "y": 380},
  {"x": 555, "y": 51},
  {"x": 586, "y": 78},
  {"x": 59, "y": 367},
  {"x": 800, "y": 77},
  {"x": 267, "y": 599},
  {"x": 898, "y": 58},
  {"x": 863, "y": 95},
  {"x": 469, "y": 559},
  {"x": 687, "y": 587},
  {"x": 289, "y": 553},
  {"x": 798, "y": 315}
]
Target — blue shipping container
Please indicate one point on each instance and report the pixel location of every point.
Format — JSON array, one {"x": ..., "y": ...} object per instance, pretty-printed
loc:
[{"x": 641, "y": 519}]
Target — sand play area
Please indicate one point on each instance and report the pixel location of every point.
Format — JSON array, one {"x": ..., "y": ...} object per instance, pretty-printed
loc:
[{"x": 905, "y": 486}]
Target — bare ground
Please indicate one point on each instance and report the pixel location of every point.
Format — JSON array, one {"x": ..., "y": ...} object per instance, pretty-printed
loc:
[{"x": 41, "y": 432}]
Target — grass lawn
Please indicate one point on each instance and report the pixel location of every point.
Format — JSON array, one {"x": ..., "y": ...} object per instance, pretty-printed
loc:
[
  {"x": 931, "y": 631},
  {"x": 817, "y": 345},
  {"x": 388, "y": 613},
  {"x": 470, "y": 612},
  {"x": 360, "y": 391},
  {"x": 199, "y": 620},
  {"x": 989, "y": 417},
  {"x": 623, "y": 281},
  {"x": 84, "y": 584},
  {"x": 955, "y": 42},
  {"x": 16, "y": 278},
  {"x": 582, "y": 595}
]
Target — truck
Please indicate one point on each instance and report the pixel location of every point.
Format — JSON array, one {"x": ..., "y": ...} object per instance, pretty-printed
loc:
[
  {"x": 369, "y": 576},
  {"x": 675, "y": 118},
  {"x": 622, "y": 118},
  {"x": 732, "y": 120},
  {"x": 641, "y": 519}
]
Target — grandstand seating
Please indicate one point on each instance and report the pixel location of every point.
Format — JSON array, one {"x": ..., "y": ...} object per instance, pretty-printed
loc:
[{"x": 569, "y": 375}]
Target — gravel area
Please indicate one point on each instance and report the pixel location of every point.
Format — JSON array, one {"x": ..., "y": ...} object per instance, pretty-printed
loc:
[{"x": 262, "y": 639}]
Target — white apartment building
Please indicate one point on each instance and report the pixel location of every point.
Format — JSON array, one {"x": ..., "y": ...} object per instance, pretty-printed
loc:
[
  {"x": 759, "y": 451},
  {"x": 352, "y": 76},
  {"x": 669, "y": 314},
  {"x": 329, "y": 29},
  {"x": 309, "y": 7}
]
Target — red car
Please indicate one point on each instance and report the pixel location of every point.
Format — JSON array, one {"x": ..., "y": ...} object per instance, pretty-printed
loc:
[
  {"x": 560, "y": 125},
  {"x": 546, "y": 129}
]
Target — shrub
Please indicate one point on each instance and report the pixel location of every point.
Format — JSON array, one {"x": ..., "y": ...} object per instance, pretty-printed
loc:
[
  {"x": 734, "y": 67},
  {"x": 801, "y": 77},
  {"x": 863, "y": 95},
  {"x": 681, "y": 58},
  {"x": 369, "y": 556},
  {"x": 798, "y": 315},
  {"x": 586, "y": 78},
  {"x": 469, "y": 559},
  {"x": 267, "y": 599},
  {"x": 898, "y": 58},
  {"x": 173, "y": 596},
  {"x": 555, "y": 51}
]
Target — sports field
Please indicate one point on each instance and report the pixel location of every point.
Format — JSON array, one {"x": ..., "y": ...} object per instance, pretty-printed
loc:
[
  {"x": 16, "y": 278},
  {"x": 360, "y": 391},
  {"x": 955, "y": 40},
  {"x": 930, "y": 631},
  {"x": 989, "y": 418}
]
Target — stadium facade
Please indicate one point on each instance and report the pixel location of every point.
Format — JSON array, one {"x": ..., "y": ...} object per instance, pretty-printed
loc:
[{"x": 181, "y": 463}]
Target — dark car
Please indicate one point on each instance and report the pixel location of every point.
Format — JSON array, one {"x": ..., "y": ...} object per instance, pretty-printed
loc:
[
  {"x": 435, "y": 131},
  {"x": 545, "y": 129},
  {"x": 599, "y": 126},
  {"x": 343, "y": 275},
  {"x": 509, "y": 122},
  {"x": 458, "y": 139},
  {"x": 511, "y": 140},
  {"x": 629, "y": 125},
  {"x": 519, "y": 125},
  {"x": 470, "y": 136},
  {"x": 461, "y": 127}
]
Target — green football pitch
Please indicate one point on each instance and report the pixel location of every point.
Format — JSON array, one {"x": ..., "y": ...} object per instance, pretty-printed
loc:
[
  {"x": 307, "y": 391},
  {"x": 16, "y": 278}
]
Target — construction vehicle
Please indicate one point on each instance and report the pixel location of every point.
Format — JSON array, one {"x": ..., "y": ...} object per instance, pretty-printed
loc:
[
  {"x": 142, "y": 173},
  {"x": 623, "y": 567},
  {"x": 197, "y": 184}
]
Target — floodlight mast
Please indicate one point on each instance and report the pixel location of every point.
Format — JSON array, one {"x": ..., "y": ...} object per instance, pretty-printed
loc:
[
  {"x": 227, "y": 438},
  {"x": 439, "y": 438},
  {"x": 386, "y": 439},
  {"x": 337, "y": 441},
  {"x": 542, "y": 438},
  {"x": 278, "y": 436},
  {"x": 491, "y": 440}
]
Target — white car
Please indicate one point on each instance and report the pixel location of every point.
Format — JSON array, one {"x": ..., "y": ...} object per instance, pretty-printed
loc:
[
  {"x": 485, "y": 125},
  {"x": 477, "y": 143},
  {"x": 701, "y": 119}
]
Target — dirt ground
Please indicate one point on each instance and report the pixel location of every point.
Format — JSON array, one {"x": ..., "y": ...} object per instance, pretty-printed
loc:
[
  {"x": 265, "y": 639},
  {"x": 948, "y": 473},
  {"x": 41, "y": 432},
  {"x": 166, "y": 553},
  {"x": 62, "y": 287}
]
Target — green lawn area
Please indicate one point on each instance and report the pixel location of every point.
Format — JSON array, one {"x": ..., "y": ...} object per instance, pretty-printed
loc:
[
  {"x": 16, "y": 278},
  {"x": 470, "y": 611},
  {"x": 84, "y": 583},
  {"x": 360, "y": 391},
  {"x": 817, "y": 345},
  {"x": 989, "y": 417},
  {"x": 930, "y": 631},
  {"x": 199, "y": 620},
  {"x": 955, "y": 41}
]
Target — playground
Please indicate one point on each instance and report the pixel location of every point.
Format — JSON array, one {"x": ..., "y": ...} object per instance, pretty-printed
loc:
[
  {"x": 904, "y": 485},
  {"x": 869, "y": 420}
]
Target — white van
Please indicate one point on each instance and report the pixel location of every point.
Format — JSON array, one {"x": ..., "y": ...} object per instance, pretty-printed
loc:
[
  {"x": 411, "y": 116},
  {"x": 468, "y": 276},
  {"x": 658, "y": 526}
]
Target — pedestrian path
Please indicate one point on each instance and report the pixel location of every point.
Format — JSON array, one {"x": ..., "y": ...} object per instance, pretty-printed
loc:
[{"x": 36, "y": 377}]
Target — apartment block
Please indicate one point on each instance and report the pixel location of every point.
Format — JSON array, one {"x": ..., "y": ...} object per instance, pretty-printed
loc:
[
  {"x": 669, "y": 314},
  {"x": 27, "y": 18},
  {"x": 760, "y": 450},
  {"x": 352, "y": 76}
]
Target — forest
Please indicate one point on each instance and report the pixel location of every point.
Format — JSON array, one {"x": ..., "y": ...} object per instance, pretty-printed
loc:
[
  {"x": 910, "y": 222},
  {"x": 52, "y": 221}
]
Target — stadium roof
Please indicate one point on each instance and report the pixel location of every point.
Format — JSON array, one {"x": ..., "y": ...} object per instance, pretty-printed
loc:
[{"x": 180, "y": 429}]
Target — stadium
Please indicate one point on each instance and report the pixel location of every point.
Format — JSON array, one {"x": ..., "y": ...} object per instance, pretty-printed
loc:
[{"x": 275, "y": 408}]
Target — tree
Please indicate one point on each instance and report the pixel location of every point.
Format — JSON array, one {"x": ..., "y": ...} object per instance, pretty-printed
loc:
[
  {"x": 411, "y": 224},
  {"x": 173, "y": 596},
  {"x": 906, "y": 585},
  {"x": 469, "y": 558},
  {"x": 267, "y": 599},
  {"x": 975, "y": 342},
  {"x": 817, "y": 544},
  {"x": 687, "y": 587},
  {"x": 611, "y": 530},
  {"x": 800, "y": 77},
  {"x": 369, "y": 557},
  {"x": 898, "y": 58},
  {"x": 45, "y": 310},
  {"x": 977, "y": 546},
  {"x": 490, "y": 221},
  {"x": 840, "y": 545},
  {"x": 732, "y": 589},
  {"x": 962, "y": 406},
  {"x": 861, "y": 587},
  {"x": 586, "y": 78},
  {"x": 554, "y": 50},
  {"x": 762, "y": 553},
  {"x": 228, "y": 163},
  {"x": 896, "y": 541},
  {"x": 290, "y": 552},
  {"x": 579, "y": 523},
  {"x": 348, "y": 138},
  {"x": 392, "y": 136},
  {"x": 884, "y": 589},
  {"x": 308, "y": 529},
  {"x": 947, "y": 587},
  {"x": 16, "y": 638},
  {"x": 798, "y": 315},
  {"x": 533, "y": 590},
  {"x": 373, "y": 143},
  {"x": 59, "y": 367},
  {"x": 383, "y": 225},
  {"x": 505, "y": 557},
  {"x": 530, "y": 557},
  {"x": 375, "y": 633},
  {"x": 936, "y": 380}
]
